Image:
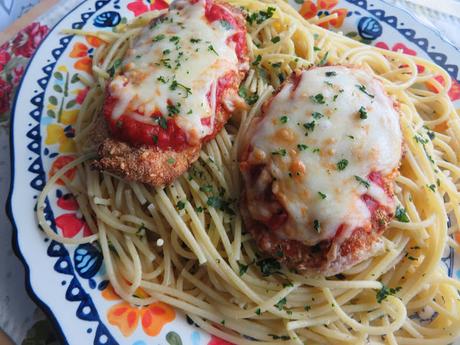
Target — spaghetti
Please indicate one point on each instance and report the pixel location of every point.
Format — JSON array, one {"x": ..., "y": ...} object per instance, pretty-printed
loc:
[{"x": 185, "y": 244}]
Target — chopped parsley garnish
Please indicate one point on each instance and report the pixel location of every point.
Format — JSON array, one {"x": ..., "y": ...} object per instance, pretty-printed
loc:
[
  {"x": 316, "y": 49},
  {"x": 257, "y": 60},
  {"x": 174, "y": 39},
  {"x": 268, "y": 266},
  {"x": 281, "y": 152},
  {"x": 258, "y": 311},
  {"x": 281, "y": 303},
  {"x": 155, "y": 139},
  {"x": 207, "y": 188},
  {"x": 319, "y": 98},
  {"x": 161, "y": 79},
  {"x": 166, "y": 51},
  {"x": 412, "y": 258},
  {"x": 111, "y": 71},
  {"x": 140, "y": 229},
  {"x": 119, "y": 124},
  {"x": 317, "y": 226},
  {"x": 432, "y": 187},
  {"x": 316, "y": 150},
  {"x": 211, "y": 49},
  {"x": 195, "y": 40},
  {"x": 322, "y": 195},
  {"x": 261, "y": 16},
  {"x": 226, "y": 24},
  {"x": 162, "y": 122},
  {"x": 331, "y": 74},
  {"x": 351, "y": 137},
  {"x": 242, "y": 268},
  {"x": 220, "y": 204},
  {"x": 276, "y": 39},
  {"x": 328, "y": 83},
  {"x": 324, "y": 59},
  {"x": 362, "y": 113},
  {"x": 166, "y": 63},
  {"x": 401, "y": 215},
  {"x": 173, "y": 109},
  {"x": 342, "y": 164},
  {"x": 363, "y": 89},
  {"x": 421, "y": 140},
  {"x": 171, "y": 160},
  {"x": 244, "y": 93},
  {"x": 302, "y": 147},
  {"x": 317, "y": 115},
  {"x": 279, "y": 337},
  {"x": 306, "y": 307},
  {"x": 362, "y": 181},
  {"x": 158, "y": 38},
  {"x": 309, "y": 126},
  {"x": 431, "y": 135},
  {"x": 385, "y": 291},
  {"x": 174, "y": 85},
  {"x": 284, "y": 119},
  {"x": 180, "y": 205},
  {"x": 276, "y": 65}
]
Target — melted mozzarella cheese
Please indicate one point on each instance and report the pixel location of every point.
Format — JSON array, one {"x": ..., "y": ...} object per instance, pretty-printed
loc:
[
  {"x": 173, "y": 67},
  {"x": 320, "y": 139}
]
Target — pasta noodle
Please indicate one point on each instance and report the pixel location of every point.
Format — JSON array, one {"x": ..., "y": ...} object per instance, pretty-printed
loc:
[{"x": 185, "y": 244}]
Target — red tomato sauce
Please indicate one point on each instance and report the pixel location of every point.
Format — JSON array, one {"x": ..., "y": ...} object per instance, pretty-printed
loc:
[
  {"x": 215, "y": 11},
  {"x": 280, "y": 218},
  {"x": 165, "y": 136}
]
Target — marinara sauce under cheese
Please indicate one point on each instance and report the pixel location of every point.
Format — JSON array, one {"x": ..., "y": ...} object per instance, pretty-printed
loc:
[
  {"x": 180, "y": 79},
  {"x": 319, "y": 165}
]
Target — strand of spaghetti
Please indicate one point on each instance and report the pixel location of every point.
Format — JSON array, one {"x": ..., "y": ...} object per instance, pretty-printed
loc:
[
  {"x": 398, "y": 314},
  {"x": 178, "y": 223},
  {"x": 42, "y": 222}
]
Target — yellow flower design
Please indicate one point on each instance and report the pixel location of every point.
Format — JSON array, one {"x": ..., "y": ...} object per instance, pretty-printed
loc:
[
  {"x": 69, "y": 117},
  {"x": 55, "y": 135}
]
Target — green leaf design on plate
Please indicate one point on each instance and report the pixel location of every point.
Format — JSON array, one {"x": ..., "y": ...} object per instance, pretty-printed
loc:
[
  {"x": 173, "y": 338},
  {"x": 75, "y": 78},
  {"x": 53, "y": 100},
  {"x": 70, "y": 104},
  {"x": 51, "y": 113},
  {"x": 57, "y": 88},
  {"x": 351, "y": 34},
  {"x": 58, "y": 75}
]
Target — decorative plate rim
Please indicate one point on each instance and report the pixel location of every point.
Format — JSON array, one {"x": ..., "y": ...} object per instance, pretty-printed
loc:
[
  {"x": 50, "y": 314},
  {"x": 29, "y": 286}
]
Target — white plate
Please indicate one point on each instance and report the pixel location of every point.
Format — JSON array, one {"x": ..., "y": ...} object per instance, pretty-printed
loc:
[{"x": 66, "y": 281}]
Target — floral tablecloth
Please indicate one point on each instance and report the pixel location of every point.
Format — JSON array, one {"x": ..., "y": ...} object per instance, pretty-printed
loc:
[{"x": 19, "y": 317}]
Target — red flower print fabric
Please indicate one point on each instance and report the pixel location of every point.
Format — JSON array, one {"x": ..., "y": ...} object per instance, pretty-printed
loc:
[
  {"x": 14, "y": 56},
  {"x": 28, "y": 39},
  {"x": 5, "y": 94}
]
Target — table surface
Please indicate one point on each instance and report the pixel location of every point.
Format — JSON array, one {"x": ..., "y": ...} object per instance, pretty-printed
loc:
[{"x": 17, "y": 312}]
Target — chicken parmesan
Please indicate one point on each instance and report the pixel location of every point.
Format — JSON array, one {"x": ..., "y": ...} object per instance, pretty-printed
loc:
[
  {"x": 177, "y": 88},
  {"x": 319, "y": 166}
]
